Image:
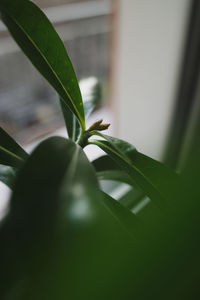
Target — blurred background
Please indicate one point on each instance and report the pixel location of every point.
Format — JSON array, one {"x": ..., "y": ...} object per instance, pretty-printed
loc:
[{"x": 144, "y": 53}]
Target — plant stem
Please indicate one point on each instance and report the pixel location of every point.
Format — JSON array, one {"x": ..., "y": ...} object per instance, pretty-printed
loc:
[
  {"x": 86, "y": 134},
  {"x": 83, "y": 139}
]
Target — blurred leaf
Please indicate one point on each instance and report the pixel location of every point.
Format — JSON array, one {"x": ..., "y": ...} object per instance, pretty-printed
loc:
[
  {"x": 11, "y": 153},
  {"x": 89, "y": 106},
  {"x": 135, "y": 199},
  {"x": 107, "y": 170},
  {"x": 146, "y": 174},
  {"x": 71, "y": 122},
  {"x": 39, "y": 41},
  {"x": 132, "y": 198},
  {"x": 91, "y": 94},
  {"x": 115, "y": 175},
  {"x": 104, "y": 163},
  {"x": 60, "y": 235},
  {"x": 7, "y": 175},
  {"x": 122, "y": 215},
  {"x": 60, "y": 228}
]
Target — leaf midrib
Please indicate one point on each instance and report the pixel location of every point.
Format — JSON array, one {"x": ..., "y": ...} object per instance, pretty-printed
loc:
[
  {"x": 35, "y": 45},
  {"x": 128, "y": 162},
  {"x": 11, "y": 153}
]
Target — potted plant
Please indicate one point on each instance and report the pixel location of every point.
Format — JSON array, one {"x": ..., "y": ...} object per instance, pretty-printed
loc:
[{"x": 63, "y": 237}]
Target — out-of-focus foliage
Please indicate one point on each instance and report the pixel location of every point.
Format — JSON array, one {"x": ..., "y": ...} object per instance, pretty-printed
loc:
[
  {"x": 62, "y": 236},
  {"x": 91, "y": 93}
]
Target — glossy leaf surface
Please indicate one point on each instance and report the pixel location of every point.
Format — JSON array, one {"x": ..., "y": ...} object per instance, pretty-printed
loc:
[
  {"x": 11, "y": 153},
  {"x": 107, "y": 169},
  {"x": 156, "y": 180},
  {"x": 115, "y": 175},
  {"x": 60, "y": 228},
  {"x": 39, "y": 41}
]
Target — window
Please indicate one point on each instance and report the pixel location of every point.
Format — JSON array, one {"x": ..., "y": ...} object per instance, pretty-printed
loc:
[{"x": 28, "y": 106}]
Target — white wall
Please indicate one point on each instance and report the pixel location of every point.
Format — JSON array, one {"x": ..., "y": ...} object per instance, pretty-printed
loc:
[{"x": 150, "y": 38}]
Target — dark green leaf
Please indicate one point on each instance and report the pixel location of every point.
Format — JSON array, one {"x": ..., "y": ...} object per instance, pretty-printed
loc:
[
  {"x": 11, "y": 153},
  {"x": 104, "y": 163},
  {"x": 122, "y": 215},
  {"x": 39, "y": 41},
  {"x": 7, "y": 175},
  {"x": 50, "y": 245},
  {"x": 107, "y": 170},
  {"x": 132, "y": 198},
  {"x": 146, "y": 174},
  {"x": 114, "y": 175},
  {"x": 91, "y": 98},
  {"x": 71, "y": 122},
  {"x": 60, "y": 228}
]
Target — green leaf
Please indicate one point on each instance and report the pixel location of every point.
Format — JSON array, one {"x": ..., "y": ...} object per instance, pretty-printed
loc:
[
  {"x": 155, "y": 179},
  {"x": 91, "y": 95},
  {"x": 61, "y": 157},
  {"x": 115, "y": 175},
  {"x": 8, "y": 175},
  {"x": 132, "y": 198},
  {"x": 39, "y": 41},
  {"x": 89, "y": 106},
  {"x": 107, "y": 170},
  {"x": 122, "y": 215},
  {"x": 11, "y": 153},
  {"x": 71, "y": 122},
  {"x": 104, "y": 163},
  {"x": 60, "y": 228},
  {"x": 58, "y": 236}
]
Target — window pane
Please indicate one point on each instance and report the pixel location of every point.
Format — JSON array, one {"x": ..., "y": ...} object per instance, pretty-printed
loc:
[{"x": 28, "y": 105}]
